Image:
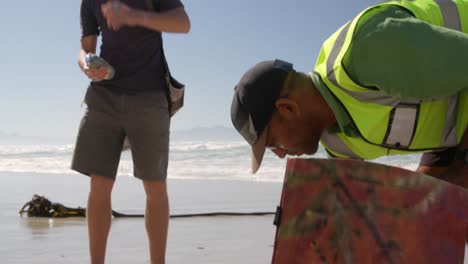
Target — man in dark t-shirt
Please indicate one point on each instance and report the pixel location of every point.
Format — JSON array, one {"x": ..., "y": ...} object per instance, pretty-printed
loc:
[{"x": 132, "y": 104}]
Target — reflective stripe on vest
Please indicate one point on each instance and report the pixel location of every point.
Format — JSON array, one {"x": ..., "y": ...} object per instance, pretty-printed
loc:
[
  {"x": 402, "y": 125},
  {"x": 450, "y": 14},
  {"x": 451, "y": 20},
  {"x": 333, "y": 142},
  {"x": 450, "y": 129}
]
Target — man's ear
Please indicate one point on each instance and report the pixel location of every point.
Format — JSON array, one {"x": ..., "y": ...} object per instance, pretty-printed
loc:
[{"x": 288, "y": 108}]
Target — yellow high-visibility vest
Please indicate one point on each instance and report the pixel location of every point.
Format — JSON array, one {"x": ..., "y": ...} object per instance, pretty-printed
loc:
[{"x": 390, "y": 125}]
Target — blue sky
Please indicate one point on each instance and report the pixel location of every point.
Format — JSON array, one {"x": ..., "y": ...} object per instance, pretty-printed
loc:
[{"x": 42, "y": 87}]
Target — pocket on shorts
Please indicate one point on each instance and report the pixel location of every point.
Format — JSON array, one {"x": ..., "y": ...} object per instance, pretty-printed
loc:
[
  {"x": 91, "y": 97},
  {"x": 176, "y": 94}
]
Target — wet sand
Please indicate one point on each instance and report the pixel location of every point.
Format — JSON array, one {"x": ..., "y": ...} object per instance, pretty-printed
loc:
[
  {"x": 191, "y": 240},
  {"x": 220, "y": 240}
]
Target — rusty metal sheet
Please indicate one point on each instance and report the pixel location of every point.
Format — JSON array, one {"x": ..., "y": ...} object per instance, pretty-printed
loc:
[{"x": 347, "y": 211}]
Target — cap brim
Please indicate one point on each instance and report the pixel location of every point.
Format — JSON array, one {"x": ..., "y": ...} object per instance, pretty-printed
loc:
[{"x": 258, "y": 150}]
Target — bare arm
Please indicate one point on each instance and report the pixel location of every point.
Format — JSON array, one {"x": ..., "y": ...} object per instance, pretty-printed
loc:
[
  {"x": 176, "y": 20},
  {"x": 88, "y": 45},
  {"x": 456, "y": 173},
  {"x": 118, "y": 14}
]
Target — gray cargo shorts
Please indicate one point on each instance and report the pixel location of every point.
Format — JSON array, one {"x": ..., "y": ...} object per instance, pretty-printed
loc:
[{"x": 143, "y": 118}]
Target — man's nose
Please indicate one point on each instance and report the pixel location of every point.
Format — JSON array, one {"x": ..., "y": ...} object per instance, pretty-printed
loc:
[{"x": 280, "y": 152}]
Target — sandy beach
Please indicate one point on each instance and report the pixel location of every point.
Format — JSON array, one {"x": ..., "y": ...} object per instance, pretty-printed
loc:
[
  {"x": 191, "y": 240},
  {"x": 217, "y": 240}
]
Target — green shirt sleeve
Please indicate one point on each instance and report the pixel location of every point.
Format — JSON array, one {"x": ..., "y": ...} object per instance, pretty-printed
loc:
[{"x": 394, "y": 52}]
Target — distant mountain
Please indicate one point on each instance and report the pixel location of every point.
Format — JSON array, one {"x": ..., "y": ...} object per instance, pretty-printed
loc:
[
  {"x": 15, "y": 138},
  {"x": 195, "y": 134},
  {"x": 207, "y": 134}
]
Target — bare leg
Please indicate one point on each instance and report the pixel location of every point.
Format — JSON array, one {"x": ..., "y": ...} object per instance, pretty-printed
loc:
[
  {"x": 98, "y": 215},
  {"x": 157, "y": 219}
]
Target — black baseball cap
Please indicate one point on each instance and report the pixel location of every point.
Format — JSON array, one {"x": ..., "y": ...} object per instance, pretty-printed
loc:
[{"x": 254, "y": 103}]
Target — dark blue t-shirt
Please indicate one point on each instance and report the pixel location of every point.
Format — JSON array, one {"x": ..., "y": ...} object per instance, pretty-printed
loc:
[{"x": 134, "y": 52}]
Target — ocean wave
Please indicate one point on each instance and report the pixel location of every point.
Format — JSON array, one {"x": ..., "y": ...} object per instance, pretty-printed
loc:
[
  {"x": 182, "y": 146},
  {"x": 187, "y": 160},
  {"x": 185, "y": 146},
  {"x": 35, "y": 150}
]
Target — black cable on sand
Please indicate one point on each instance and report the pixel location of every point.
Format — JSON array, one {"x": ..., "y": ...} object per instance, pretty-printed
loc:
[{"x": 210, "y": 214}]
